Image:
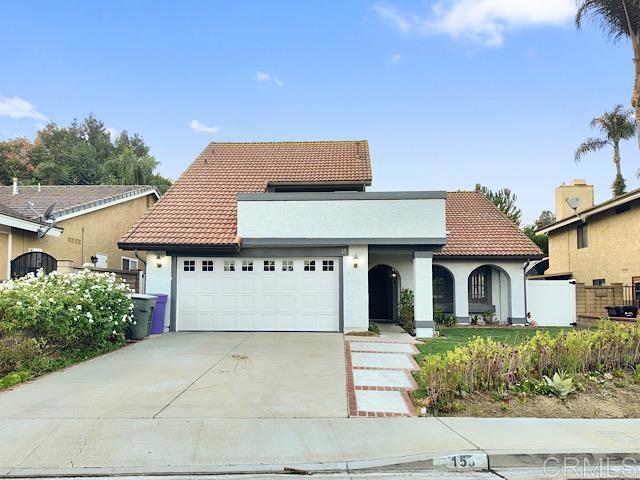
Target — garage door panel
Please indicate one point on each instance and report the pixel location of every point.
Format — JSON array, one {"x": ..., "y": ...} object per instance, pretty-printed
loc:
[{"x": 275, "y": 300}]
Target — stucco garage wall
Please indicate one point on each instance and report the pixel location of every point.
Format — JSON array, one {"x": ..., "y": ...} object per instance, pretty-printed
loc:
[
  {"x": 356, "y": 289},
  {"x": 158, "y": 279}
]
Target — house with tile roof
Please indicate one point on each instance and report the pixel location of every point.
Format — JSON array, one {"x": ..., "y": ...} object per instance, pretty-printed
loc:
[
  {"x": 284, "y": 236},
  {"x": 71, "y": 225}
]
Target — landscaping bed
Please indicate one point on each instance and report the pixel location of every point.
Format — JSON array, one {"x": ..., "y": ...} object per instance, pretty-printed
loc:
[
  {"x": 531, "y": 372},
  {"x": 48, "y": 322}
]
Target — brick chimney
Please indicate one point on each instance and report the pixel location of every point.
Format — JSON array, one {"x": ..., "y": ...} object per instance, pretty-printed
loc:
[{"x": 576, "y": 189}]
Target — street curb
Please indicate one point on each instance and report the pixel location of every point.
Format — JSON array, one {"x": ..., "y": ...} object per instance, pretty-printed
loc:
[
  {"x": 528, "y": 460},
  {"x": 424, "y": 462}
]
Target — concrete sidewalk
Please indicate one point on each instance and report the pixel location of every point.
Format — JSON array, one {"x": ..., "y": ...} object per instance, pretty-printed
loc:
[{"x": 36, "y": 447}]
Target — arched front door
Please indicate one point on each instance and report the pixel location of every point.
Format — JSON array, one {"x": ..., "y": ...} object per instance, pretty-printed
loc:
[
  {"x": 32, "y": 262},
  {"x": 383, "y": 293}
]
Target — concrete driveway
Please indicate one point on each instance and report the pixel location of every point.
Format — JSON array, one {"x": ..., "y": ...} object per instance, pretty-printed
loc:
[{"x": 196, "y": 375}]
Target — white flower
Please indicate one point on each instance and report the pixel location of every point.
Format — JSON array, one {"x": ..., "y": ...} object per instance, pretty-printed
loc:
[
  {"x": 116, "y": 322},
  {"x": 114, "y": 332},
  {"x": 78, "y": 307},
  {"x": 18, "y": 303},
  {"x": 52, "y": 300},
  {"x": 90, "y": 321},
  {"x": 89, "y": 315}
]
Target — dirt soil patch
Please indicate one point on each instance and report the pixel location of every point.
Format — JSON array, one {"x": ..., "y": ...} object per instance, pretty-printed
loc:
[{"x": 602, "y": 401}]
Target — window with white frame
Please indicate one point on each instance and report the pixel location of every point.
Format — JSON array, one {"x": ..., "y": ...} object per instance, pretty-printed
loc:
[
  {"x": 309, "y": 265},
  {"x": 207, "y": 265},
  {"x": 129, "y": 263},
  {"x": 189, "y": 266},
  {"x": 269, "y": 266},
  {"x": 327, "y": 265},
  {"x": 229, "y": 266},
  {"x": 287, "y": 265},
  {"x": 247, "y": 265}
]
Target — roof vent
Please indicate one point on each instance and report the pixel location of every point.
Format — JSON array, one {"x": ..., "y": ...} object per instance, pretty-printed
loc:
[{"x": 15, "y": 186}]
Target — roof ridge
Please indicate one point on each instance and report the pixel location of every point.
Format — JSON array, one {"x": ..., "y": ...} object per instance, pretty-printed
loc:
[{"x": 289, "y": 142}]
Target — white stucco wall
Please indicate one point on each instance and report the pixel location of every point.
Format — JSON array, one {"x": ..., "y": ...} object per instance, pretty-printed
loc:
[
  {"x": 512, "y": 305},
  {"x": 357, "y": 219},
  {"x": 159, "y": 280},
  {"x": 423, "y": 294},
  {"x": 356, "y": 289},
  {"x": 401, "y": 261}
]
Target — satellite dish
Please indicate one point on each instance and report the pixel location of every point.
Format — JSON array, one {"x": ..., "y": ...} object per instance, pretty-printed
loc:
[
  {"x": 574, "y": 202},
  {"x": 49, "y": 212},
  {"x": 48, "y": 218}
]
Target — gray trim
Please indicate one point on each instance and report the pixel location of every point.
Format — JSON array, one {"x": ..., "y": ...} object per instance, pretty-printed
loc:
[
  {"x": 272, "y": 252},
  {"x": 517, "y": 321},
  {"x": 320, "y": 196},
  {"x": 463, "y": 320},
  {"x": 174, "y": 293},
  {"x": 339, "y": 242},
  {"x": 340, "y": 296},
  {"x": 422, "y": 254},
  {"x": 425, "y": 324}
]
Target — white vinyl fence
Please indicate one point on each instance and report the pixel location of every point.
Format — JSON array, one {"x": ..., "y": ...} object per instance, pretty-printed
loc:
[{"x": 551, "y": 303}]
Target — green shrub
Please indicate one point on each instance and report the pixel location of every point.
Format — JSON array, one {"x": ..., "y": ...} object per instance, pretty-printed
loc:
[
  {"x": 18, "y": 352},
  {"x": 442, "y": 318},
  {"x": 561, "y": 385},
  {"x": 407, "y": 320},
  {"x": 14, "y": 378},
  {"x": 484, "y": 364},
  {"x": 83, "y": 309},
  {"x": 373, "y": 327}
]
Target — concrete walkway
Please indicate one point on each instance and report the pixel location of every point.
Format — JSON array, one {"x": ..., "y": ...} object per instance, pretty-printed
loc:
[{"x": 32, "y": 447}]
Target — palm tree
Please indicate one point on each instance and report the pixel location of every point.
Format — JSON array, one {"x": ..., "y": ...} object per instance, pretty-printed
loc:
[
  {"x": 615, "y": 125},
  {"x": 619, "y": 19}
]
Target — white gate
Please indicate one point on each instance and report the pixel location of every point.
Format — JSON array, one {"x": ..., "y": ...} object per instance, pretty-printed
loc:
[{"x": 552, "y": 303}]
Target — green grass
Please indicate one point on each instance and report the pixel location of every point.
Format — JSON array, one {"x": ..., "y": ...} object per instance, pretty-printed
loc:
[{"x": 452, "y": 337}]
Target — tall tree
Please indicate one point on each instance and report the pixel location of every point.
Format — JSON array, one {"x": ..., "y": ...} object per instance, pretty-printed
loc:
[
  {"x": 619, "y": 19},
  {"x": 545, "y": 219},
  {"x": 14, "y": 160},
  {"x": 505, "y": 200},
  {"x": 615, "y": 125}
]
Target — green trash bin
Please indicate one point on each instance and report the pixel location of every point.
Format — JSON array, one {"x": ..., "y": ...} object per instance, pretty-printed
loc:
[{"x": 143, "y": 306}]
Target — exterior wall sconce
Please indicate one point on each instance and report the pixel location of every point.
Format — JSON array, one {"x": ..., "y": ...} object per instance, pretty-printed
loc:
[
  {"x": 158, "y": 261},
  {"x": 394, "y": 275},
  {"x": 355, "y": 261}
]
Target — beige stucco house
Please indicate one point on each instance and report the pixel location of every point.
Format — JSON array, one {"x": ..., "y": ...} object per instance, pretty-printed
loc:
[
  {"x": 84, "y": 227},
  {"x": 594, "y": 244}
]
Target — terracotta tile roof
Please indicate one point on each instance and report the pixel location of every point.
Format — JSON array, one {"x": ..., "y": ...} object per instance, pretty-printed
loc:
[
  {"x": 475, "y": 227},
  {"x": 200, "y": 208},
  {"x": 68, "y": 198}
]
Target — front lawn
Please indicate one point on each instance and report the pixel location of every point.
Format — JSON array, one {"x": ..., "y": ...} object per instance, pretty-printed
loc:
[{"x": 451, "y": 337}]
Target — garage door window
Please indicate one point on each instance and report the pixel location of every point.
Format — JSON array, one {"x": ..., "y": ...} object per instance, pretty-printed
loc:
[
  {"x": 309, "y": 265},
  {"x": 207, "y": 265},
  {"x": 287, "y": 265},
  {"x": 327, "y": 265},
  {"x": 269, "y": 266},
  {"x": 189, "y": 265},
  {"x": 229, "y": 266},
  {"x": 247, "y": 265}
]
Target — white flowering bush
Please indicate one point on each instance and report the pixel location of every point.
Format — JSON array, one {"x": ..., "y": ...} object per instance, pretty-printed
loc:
[{"x": 78, "y": 310}]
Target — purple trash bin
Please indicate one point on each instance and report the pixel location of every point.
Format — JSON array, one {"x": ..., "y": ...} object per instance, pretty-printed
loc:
[{"x": 157, "y": 322}]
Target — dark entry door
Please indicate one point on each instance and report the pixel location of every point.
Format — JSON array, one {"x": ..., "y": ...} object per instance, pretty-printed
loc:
[
  {"x": 383, "y": 295},
  {"x": 32, "y": 262}
]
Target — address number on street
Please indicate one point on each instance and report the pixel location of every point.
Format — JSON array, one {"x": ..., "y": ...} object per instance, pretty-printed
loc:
[{"x": 471, "y": 461}]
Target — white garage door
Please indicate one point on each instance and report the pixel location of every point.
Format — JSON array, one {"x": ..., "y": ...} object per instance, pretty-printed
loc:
[{"x": 243, "y": 294}]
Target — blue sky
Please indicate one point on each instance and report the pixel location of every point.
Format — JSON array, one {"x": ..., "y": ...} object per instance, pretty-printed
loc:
[{"x": 448, "y": 93}]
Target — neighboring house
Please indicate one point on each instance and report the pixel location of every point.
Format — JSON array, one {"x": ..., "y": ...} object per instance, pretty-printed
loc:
[
  {"x": 598, "y": 245},
  {"x": 89, "y": 220},
  {"x": 283, "y": 236}
]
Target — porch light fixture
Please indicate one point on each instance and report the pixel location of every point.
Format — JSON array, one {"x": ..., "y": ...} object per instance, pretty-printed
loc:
[
  {"x": 158, "y": 261},
  {"x": 355, "y": 261},
  {"x": 394, "y": 274}
]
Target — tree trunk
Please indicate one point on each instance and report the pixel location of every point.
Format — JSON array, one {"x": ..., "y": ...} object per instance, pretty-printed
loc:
[
  {"x": 616, "y": 158},
  {"x": 635, "y": 99}
]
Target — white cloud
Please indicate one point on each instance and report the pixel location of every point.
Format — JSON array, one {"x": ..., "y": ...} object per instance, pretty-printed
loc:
[
  {"x": 481, "y": 21},
  {"x": 267, "y": 77},
  {"x": 112, "y": 132},
  {"x": 395, "y": 58},
  {"x": 200, "y": 127},
  {"x": 16, "y": 107}
]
